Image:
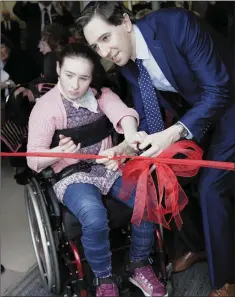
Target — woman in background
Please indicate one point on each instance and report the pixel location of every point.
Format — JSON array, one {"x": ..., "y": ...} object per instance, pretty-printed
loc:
[{"x": 54, "y": 37}]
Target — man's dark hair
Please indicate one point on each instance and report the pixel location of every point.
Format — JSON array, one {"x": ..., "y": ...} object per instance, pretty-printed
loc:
[{"x": 110, "y": 11}]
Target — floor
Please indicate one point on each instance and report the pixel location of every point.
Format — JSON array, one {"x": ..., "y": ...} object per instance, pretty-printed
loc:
[{"x": 17, "y": 253}]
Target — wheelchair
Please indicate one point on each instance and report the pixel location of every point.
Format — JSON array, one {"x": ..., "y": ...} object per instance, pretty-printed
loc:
[{"x": 56, "y": 234}]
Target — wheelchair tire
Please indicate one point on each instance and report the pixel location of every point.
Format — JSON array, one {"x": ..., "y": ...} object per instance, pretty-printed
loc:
[
  {"x": 58, "y": 279},
  {"x": 37, "y": 211}
]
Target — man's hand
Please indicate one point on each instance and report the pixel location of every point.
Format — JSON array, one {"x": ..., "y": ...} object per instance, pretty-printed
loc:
[
  {"x": 7, "y": 84},
  {"x": 159, "y": 141},
  {"x": 67, "y": 145},
  {"x": 110, "y": 164}
]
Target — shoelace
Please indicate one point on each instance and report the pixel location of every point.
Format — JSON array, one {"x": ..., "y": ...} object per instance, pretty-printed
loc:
[{"x": 149, "y": 275}]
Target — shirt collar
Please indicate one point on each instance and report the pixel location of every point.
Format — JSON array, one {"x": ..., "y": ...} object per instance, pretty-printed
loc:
[
  {"x": 142, "y": 51},
  {"x": 47, "y": 7},
  {"x": 87, "y": 101}
]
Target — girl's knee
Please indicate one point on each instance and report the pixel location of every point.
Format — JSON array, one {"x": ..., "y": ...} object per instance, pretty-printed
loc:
[
  {"x": 86, "y": 204},
  {"x": 93, "y": 217}
]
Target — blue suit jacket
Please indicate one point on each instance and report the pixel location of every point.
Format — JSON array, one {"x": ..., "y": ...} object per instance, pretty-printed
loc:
[{"x": 187, "y": 57}]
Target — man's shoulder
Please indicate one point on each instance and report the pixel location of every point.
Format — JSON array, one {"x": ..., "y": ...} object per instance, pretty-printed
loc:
[{"x": 165, "y": 15}]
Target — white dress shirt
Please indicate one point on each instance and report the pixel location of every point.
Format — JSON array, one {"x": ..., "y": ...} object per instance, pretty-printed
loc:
[
  {"x": 158, "y": 78},
  {"x": 7, "y": 25}
]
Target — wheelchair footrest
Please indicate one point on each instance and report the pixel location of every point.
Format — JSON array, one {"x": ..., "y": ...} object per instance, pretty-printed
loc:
[
  {"x": 80, "y": 284},
  {"x": 75, "y": 287},
  {"x": 129, "y": 268}
]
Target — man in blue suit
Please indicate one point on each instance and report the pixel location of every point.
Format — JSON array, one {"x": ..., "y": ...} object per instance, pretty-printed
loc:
[{"x": 170, "y": 52}]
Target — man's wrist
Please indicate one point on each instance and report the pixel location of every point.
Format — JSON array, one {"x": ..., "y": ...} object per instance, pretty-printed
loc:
[
  {"x": 173, "y": 133},
  {"x": 182, "y": 131}
]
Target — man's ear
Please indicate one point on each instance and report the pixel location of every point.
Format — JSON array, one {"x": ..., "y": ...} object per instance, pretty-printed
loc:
[
  {"x": 58, "y": 68},
  {"x": 127, "y": 22}
]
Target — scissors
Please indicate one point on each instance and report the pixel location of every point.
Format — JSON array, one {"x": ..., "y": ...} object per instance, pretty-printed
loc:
[{"x": 140, "y": 152}]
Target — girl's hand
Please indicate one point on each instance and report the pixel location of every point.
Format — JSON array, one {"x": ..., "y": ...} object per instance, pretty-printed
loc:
[
  {"x": 7, "y": 84},
  {"x": 110, "y": 164},
  {"x": 67, "y": 145},
  {"x": 134, "y": 139}
]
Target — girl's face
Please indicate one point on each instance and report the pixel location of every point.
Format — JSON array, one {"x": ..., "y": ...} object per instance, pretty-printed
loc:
[
  {"x": 75, "y": 76},
  {"x": 44, "y": 47}
]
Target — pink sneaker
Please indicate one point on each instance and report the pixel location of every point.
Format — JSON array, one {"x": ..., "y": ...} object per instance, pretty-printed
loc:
[
  {"x": 107, "y": 290},
  {"x": 146, "y": 280}
]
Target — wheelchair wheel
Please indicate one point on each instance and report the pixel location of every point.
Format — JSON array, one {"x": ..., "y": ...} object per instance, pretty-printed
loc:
[{"x": 42, "y": 237}]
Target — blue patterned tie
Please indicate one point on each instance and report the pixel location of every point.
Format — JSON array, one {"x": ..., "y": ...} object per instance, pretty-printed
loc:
[{"x": 151, "y": 105}]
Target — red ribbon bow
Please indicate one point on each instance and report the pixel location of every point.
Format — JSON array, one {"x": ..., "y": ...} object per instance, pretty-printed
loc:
[{"x": 169, "y": 198}]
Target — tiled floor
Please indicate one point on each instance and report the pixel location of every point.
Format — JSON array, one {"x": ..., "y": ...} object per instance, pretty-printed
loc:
[{"x": 17, "y": 253}]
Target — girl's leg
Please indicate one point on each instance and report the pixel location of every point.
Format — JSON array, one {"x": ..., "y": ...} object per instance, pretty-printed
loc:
[
  {"x": 142, "y": 235},
  {"x": 142, "y": 274},
  {"x": 84, "y": 201}
]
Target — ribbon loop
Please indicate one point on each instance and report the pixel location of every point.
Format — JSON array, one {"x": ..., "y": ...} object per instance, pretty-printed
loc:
[{"x": 163, "y": 200}]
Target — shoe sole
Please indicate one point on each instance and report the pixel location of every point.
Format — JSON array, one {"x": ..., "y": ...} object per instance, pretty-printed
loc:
[{"x": 137, "y": 285}]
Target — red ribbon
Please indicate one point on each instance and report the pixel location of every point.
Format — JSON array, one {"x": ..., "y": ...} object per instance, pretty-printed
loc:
[{"x": 149, "y": 202}]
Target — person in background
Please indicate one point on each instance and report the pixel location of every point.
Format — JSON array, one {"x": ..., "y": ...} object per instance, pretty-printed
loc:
[
  {"x": 73, "y": 7},
  {"x": 14, "y": 133},
  {"x": 10, "y": 28},
  {"x": 53, "y": 38},
  {"x": 15, "y": 65},
  {"x": 37, "y": 16}
]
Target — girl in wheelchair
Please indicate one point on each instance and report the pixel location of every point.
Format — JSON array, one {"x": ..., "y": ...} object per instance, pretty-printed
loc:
[{"x": 60, "y": 122}]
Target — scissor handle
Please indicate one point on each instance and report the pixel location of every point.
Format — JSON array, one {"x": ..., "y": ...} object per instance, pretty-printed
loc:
[{"x": 140, "y": 152}]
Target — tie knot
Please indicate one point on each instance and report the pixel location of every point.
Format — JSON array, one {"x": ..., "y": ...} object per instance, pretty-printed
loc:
[{"x": 139, "y": 62}]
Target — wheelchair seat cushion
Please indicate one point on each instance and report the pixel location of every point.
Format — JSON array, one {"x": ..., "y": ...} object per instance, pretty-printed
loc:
[{"x": 118, "y": 215}]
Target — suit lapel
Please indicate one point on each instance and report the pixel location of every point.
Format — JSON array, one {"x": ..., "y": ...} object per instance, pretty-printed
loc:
[{"x": 130, "y": 71}]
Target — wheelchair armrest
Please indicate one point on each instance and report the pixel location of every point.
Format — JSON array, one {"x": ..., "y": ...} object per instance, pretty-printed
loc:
[
  {"x": 47, "y": 173},
  {"x": 53, "y": 200}
]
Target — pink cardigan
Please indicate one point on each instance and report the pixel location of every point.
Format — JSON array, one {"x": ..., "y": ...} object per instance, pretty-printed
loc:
[{"x": 49, "y": 114}]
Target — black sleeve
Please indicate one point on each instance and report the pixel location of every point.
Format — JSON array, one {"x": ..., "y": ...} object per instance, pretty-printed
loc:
[
  {"x": 49, "y": 67},
  {"x": 21, "y": 10}
]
